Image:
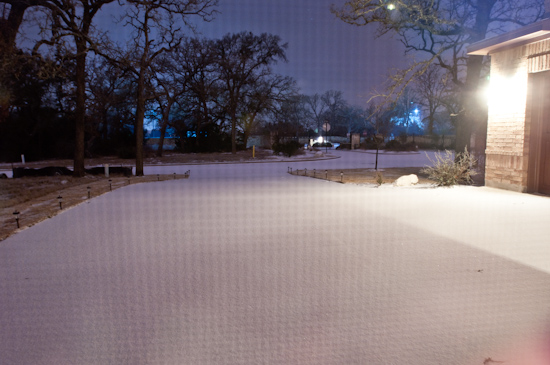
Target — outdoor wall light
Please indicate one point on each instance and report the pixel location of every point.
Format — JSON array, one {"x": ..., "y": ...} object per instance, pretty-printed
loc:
[
  {"x": 60, "y": 200},
  {"x": 16, "y": 214}
]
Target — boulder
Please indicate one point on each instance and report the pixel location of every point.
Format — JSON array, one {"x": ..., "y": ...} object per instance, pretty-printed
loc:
[{"x": 407, "y": 180}]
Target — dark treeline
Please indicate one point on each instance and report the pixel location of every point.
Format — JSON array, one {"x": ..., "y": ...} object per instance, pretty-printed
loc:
[{"x": 76, "y": 93}]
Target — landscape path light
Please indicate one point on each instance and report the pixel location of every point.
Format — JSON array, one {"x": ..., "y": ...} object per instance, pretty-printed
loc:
[
  {"x": 110, "y": 184},
  {"x": 16, "y": 214},
  {"x": 89, "y": 191},
  {"x": 60, "y": 200}
]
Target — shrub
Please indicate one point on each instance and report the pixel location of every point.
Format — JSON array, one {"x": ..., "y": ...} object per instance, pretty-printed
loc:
[
  {"x": 379, "y": 178},
  {"x": 289, "y": 148},
  {"x": 448, "y": 170},
  {"x": 395, "y": 145}
]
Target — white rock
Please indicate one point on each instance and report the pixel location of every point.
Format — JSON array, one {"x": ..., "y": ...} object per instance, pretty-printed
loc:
[{"x": 407, "y": 180}]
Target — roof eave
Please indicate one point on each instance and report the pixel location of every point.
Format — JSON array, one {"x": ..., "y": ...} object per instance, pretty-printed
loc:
[{"x": 528, "y": 34}]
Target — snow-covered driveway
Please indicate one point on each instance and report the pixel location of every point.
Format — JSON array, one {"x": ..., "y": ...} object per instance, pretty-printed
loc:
[{"x": 245, "y": 264}]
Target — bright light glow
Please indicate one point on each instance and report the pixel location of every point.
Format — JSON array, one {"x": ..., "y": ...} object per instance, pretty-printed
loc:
[
  {"x": 320, "y": 139},
  {"x": 507, "y": 94},
  {"x": 391, "y": 7},
  {"x": 416, "y": 111}
]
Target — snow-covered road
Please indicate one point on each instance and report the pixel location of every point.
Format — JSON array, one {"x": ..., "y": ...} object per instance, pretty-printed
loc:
[{"x": 245, "y": 264}]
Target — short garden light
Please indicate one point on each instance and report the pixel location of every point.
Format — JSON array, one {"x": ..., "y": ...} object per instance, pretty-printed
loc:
[
  {"x": 174, "y": 176},
  {"x": 158, "y": 177},
  {"x": 89, "y": 191},
  {"x": 341, "y": 176},
  {"x": 110, "y": 185},
  {"x": 60, "y": 200},
  {"x": 16, "y": 214}
]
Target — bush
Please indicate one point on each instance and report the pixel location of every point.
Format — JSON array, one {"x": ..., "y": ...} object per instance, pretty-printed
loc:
[
  {"x": 289, "y": 148},
  {"x": 448, "y": 170},
  {"x": 395, "y": 145}
]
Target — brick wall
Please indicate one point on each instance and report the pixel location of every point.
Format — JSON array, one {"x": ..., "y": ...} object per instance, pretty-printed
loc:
[{"x": 508, "y": 126}]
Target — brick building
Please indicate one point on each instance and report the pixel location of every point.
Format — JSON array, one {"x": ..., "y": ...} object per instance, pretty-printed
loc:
[{"x": 518, "y": 129}]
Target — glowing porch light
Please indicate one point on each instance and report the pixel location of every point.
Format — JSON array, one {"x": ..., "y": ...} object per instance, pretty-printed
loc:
[{"x": 507, "y": 94}]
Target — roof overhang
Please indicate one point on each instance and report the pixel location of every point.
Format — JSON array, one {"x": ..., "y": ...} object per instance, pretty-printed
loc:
[{"x": 528, "y": 34}]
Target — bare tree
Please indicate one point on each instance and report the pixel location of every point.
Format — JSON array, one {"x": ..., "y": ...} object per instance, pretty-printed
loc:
[
  {"x": 432, "y": 87},
  {"x": 439, "y": 31},
  {"x": 382, "y": 121},
  {"x": 74, "y": 19},
  {"x": 199, "y": 68},
  {"x": 244, "y": 59},
  {"x": 155, "y": 32},
  {"x": 262, "y": 97}
]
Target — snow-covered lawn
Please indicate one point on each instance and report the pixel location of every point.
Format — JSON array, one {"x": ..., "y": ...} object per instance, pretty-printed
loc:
[{"x": 246, "y": 264}]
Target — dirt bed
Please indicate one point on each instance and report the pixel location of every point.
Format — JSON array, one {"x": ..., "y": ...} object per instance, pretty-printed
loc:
[{"x": 365, "y": 176}]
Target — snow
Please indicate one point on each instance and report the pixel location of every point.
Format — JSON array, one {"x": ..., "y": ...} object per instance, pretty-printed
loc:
[{"x": 246, "y": 264}]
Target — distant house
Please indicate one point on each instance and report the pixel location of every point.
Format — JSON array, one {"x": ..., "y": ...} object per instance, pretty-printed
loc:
[{"x": 518, "y": 131}]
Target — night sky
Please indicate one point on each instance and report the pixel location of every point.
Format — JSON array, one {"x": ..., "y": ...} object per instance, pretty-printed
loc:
[{"x": 324, "y": 53}]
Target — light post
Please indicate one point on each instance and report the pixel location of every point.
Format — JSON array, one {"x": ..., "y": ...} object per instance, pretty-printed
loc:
[{"x": 16, "y": 214}]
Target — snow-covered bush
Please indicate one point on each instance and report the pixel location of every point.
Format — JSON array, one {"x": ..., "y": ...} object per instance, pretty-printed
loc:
[{"x": 449, "y": 170}]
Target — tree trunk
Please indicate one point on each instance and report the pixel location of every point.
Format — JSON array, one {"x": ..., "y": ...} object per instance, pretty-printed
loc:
[
  {"x": 233, "y": 134},
  {"x": 163, "y": 127},
  {"x": 140, "y": 115},
  {"x": 472, "y": 119},
  {"x": 10, "y": 26},
  {"x": 162, "y": 131},
  {"x": 80, "y": 111}
]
